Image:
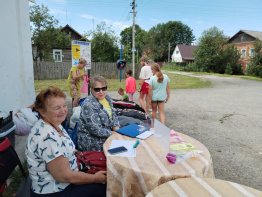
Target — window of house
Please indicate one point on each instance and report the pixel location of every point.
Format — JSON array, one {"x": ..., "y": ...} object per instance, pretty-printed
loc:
[
  {"x": 251, "y": 52},
  {"x": 177, "y": 52},
  {"x": 243, "y": 53},
  {"x": 57, "y": 55}
]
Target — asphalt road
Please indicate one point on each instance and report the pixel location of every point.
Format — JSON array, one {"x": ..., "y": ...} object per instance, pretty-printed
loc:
[{"x": 226, "y": 118}]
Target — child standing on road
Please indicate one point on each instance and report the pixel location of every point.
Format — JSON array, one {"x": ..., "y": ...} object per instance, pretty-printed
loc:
[
  {"x": 144, "y": 77},
  {"x": 123, "y": 94},
  {"x": 158, "y": 92},
  {"x": 130, "y": 85}
]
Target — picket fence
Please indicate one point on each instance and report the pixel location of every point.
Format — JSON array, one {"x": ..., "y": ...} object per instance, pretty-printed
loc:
[{"x": 60, "y": 70}]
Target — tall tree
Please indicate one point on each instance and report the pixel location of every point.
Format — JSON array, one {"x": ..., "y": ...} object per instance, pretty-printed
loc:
[
  {"x": 45, "y": 34},
  {"x": 159, "y": 37},
  {"x": 126, "y": 40},
  {"x": 104, "y": 44},
  {"x": 255, "y": 67},
  {"x": 209, "y": 51}
]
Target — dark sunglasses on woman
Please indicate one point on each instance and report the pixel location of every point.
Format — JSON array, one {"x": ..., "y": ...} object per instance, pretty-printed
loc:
[{"x": 98, "y": 89}]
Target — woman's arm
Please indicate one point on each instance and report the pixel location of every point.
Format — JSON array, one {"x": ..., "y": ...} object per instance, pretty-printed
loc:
[
  {"x": 168, "y": 92},
  {"x": 61, "y": 171},
  {"x": 75, "y": 77},
  {"x": 91, "y": 122}
]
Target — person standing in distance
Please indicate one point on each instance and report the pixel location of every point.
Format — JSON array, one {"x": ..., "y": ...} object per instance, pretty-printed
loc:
[
  {"x": 76, "y": 73},
  {"x": 159, "y": 92},
  {"x": 144, "y": 77},
  {"x": 130, "y": 85}
]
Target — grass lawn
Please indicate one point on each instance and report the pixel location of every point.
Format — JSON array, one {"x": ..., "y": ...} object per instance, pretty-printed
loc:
[{"x": 176, "y": 82}]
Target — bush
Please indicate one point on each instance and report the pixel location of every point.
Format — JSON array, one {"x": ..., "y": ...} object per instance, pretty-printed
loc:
[
  {"x": 237, "y": 70},
  {"x": 172, "y": 66},
  {"x": 255, "y": 71},
  {"x": 228, "y": 70},
  {"x": 192, "y": 67}
]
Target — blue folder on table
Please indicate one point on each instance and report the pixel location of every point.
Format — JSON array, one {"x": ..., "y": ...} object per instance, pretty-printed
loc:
[{"x": 132, "y": 130}]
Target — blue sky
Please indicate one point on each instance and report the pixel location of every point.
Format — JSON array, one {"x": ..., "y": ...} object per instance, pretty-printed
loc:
[{"x": 228, "y": 15}]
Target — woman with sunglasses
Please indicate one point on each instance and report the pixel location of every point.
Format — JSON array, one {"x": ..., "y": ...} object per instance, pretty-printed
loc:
[{"x": 97, "y": 119}]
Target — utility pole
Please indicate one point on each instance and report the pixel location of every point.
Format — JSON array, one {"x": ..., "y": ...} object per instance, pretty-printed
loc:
[
  {"x": 168, "y": 52},
  {"x": 137, "y": 56},
  {"x": 133, "y": 36}
]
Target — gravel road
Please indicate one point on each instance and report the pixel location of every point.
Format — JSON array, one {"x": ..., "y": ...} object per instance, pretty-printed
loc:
[{"x": 226, "y": 118}]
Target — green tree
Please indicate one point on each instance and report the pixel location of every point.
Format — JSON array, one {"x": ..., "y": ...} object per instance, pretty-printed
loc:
[
  {"x": 208, "y": 55},
  {"x": 255, "y": 67},
  {"x": 159, "y": 37},
  {"x": 229, "y": 58},
  {"x": 126, "y": 40},
  {"x": 45, "y": 35},
  {"x": 104, "y": 44}
]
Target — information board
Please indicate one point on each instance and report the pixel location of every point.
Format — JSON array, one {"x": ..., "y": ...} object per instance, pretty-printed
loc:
[{"x": 81, "y": 49}]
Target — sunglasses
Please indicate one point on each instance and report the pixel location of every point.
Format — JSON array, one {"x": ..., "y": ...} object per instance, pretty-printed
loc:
[{"x": 98, "y": 89}]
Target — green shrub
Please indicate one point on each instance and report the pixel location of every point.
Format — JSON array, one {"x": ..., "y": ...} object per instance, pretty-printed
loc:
[
  {"x": 228, "y": 70},
  {"x": 192, "y": 67},
  {"x": 237, "y": 69},
  {"x": 255, "y": 70}
]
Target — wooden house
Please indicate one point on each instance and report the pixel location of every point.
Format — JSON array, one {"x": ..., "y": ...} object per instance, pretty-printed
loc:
[
  {"x": 64, "y": 55},
  {"x": 183, "y": 54},
  {"x": 243, "y": 41}
]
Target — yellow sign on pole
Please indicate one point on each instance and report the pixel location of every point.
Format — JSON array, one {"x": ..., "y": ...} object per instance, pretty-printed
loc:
[{"x": 76, "y": 51}]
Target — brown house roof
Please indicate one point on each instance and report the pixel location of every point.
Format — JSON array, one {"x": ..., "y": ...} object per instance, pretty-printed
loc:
[
  {"x": 68, "y": 29},
  {"x": 254, "y": 34},
  {"x": 186, "y": 51}
]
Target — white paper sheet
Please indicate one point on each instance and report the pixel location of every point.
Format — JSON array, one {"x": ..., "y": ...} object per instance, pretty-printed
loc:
[
  {"x": 145, "y": 135},
  {"x": 131, "y": 152}
]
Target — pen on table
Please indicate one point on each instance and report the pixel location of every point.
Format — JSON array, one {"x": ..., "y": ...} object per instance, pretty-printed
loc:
[{"x": 135, "y": 145}]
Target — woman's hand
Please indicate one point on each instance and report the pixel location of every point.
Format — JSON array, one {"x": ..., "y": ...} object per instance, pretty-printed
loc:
[
  {"x": 85, "y": 74},
  {"x": 166, "y": 99},
  {"x": 100, "y": 177},
  {"x": 115, "y": 128}
]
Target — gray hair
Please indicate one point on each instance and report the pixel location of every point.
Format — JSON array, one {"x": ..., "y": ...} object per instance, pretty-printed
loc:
[
  {"x": 96, "y": 79},
  {"x": 150, "y": 62}
]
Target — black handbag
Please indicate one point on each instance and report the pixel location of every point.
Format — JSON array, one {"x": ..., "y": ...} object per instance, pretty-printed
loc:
[{"x": 8, "y": 162}]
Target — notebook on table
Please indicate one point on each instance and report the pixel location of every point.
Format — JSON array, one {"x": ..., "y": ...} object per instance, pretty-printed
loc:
[{"x": 132, "y": 130}]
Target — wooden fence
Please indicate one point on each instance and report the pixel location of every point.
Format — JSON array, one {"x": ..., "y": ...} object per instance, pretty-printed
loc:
[{"x": 60, "y": 70}]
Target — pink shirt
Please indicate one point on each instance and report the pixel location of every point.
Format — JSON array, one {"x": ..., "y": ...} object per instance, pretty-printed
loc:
[{"x": 130, "y": 85}]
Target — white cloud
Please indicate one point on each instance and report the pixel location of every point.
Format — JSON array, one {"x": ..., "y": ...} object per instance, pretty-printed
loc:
[
  {"x": 57, "y": 12},
  {"x": 199, "y": 22},
  {"x": 107, "y": 21},
  {"x": 87, "y": 16},
  {"x": 120, "y": 25}
]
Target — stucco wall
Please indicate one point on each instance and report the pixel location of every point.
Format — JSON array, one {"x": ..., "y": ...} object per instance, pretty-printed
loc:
[
  {"x": 247, "y": 46},
  {"x": 176, "y": 57},
  {"x": 16, "y": 64}
]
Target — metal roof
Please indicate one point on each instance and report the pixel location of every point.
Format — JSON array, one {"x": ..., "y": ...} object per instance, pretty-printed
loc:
[
  {"x": 254, "y": 34},
  {"x": 186, "y": 51}
]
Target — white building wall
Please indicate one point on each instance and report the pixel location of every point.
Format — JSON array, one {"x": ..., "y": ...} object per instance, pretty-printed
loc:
[
  {"x": 16, "y": 64},
  {"x": 176, "y": 57}
]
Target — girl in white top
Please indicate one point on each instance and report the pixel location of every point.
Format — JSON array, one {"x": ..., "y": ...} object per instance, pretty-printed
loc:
[
  {"x": 158, "y": 92},
  {"x": 144, "y": 77}
]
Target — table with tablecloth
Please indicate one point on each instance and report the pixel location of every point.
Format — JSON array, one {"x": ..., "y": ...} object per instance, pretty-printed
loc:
[
  {"x": 137, "y": 176},
  {"x": 202, "y": 187}
]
